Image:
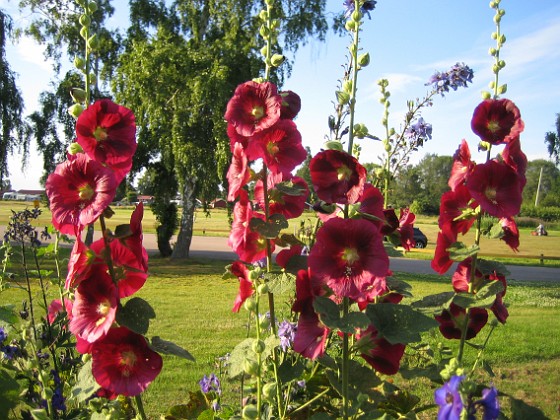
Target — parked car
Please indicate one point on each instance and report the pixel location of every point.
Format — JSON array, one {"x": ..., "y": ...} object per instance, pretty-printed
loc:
[{"x": 420, "y": 240}]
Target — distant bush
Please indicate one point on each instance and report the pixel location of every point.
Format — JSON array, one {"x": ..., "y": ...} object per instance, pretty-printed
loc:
[
  {"x": 527, "y": 222},
  {"x": 547, "y": 214}
]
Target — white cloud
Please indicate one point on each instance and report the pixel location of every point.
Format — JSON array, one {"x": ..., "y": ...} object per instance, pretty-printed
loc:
[{"x": 32, "y": 53}]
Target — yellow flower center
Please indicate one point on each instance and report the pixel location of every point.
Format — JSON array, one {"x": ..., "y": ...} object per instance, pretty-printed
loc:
[
  {"x": 493, "y": 126},
  {"x": 350, "y": 255},
  {"x": 100, "y": 134},
  {"x": 490, "y": 193},
  {"x": 86, "y": 192},
  {"x": 344, "y": 173},
  {"x": 272, "y": 148},
  {"x": 257, "y": 112},
  {"x": 128, "y": 360},
  {"x": 103, "y": 309}
]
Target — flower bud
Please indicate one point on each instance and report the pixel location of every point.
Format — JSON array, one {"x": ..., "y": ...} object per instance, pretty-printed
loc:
[
  {"x": 502, "y": 39},
  {"x": 269, "y": 391},
  {"x": 85, "y": 20},
  {"x": 502, "y": 64},
  {"x": 264, "y": 322},
  {"x": 334, "y": 145},
  {"x": 494, "y": 35},
  {"x": 501, "y": 12},
  {"x": 93, "y": 42},
  {"x": 75, "y": 110},
  {"x": 79, "y": 63},
  {"x": 264, "y": 50},
  {"x": 342, "y": 97},
  {"x": 251, "y": 367},
  {"x": 277, "y": 60},
  {"x": 258, "y": 346},
  {"x": 360, "y": 131},
  {"x": 350, "y": 25},
  {"x": 497, "y": 19},
  {"x": 356, "y": 15},
  {"x": 263, "y": 15},
  {"x": 275, "y": 24},
  {"x": 250, "y": 305},
  {"x": 486, "y": 95},
  {"x": 92, "y": 7},
  {"x": 262, "y": 289},
  {"x": 502, "y": 89},
  {"x": 492, "y": 84},
  {"x": 493, "y": 5},
  {"x": 363, "y": 60},
  {"x": 492, "y": 51},
  {"x": 250, "y": 412},
  {"x": 264, "y": 31},
  {"x": 84, "y": 32},
  {"x": 79, "y": 95}
]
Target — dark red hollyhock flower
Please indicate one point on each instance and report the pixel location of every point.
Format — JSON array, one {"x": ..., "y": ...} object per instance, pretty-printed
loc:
[
  {"x": 371, "y": 203},
  {"x": 441, "y": 261},
  {"x": 123, "y": 363},
  {"x": 462, "y": 276},
  {"x": 311, "y": 334},
  {"x": 452, "y": 205},
  {"x": 337, "y": 177},
  {"x": 496, "y": 187},
  {"x": 254, "y": 107},
  {"x": 238, "y": 174},
  {"x": 79, "y": 264},
  {"x": 79, "y": 190},
  {"x": 347, "y": 256},
  {"x": 291, "y": 205},
  {"x": 291, "y": 105},
  {"x": 497, "y": 121},
  {"x": 133, "y": 241},
  {"x": 248, "y": 244},
  {"x": 241, "y": 271},
  {"x": 382, "y": 355},
  {"x": 514, "y": 157},
  {"x": 511, "y": 233},
  {"x": 107, "y": 133},
  {"x": 462, "y": 166},
  {"x": 406, "y": 230},
  {"x": 451, "y": 321},
  {"x": 279, "y": 146},
  {"x": 498, "y": 308},
  {"x": 95, "y": 305},
  {"x": 284, "y": 256},
  {"x": 391, "y": 221},
  {"x": 235, "y": 137}
]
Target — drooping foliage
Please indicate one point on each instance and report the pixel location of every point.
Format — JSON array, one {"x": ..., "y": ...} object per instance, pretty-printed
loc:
[{"x": 552, "y": 141}]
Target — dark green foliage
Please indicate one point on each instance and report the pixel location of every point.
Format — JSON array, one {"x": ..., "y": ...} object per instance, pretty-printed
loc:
[{"x": 552, "y": 141}]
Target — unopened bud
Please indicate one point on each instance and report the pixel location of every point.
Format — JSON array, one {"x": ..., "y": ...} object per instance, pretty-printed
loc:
[
  {"x": 264, "y": 50},
  {"x": 251, "y": 367},
  {"x": 342, "y": 97},
  {"x": 93, "y": 42},
  {"x": 74, "y": 149},
  {"x": 492, "y": 51},
  {"x": 92, "y": 7},
  {"x": 85, "y": 20},
  {"x": 350, "y": 25},
  {"x": 262, "y": 289},
  {"x": 250, "y": 412},
  {"x": 334, "y": 145},
  {"x": 250, "y": 305},
  {"x": 502, "y": 89},
  {"x": 84, "y": 32},
  {"x": 263, "y": 15},
  {"x": 277, "y": 60},
  {"x": 79, "y": 95},
  {"x": 258, "y": 346},
  {"x": 75, "y": 110},
  {"x": 363, "y": 60},
  {"x": 79, "y": 63},
  {"x": 264, "y": 31},
  {"x": 485, "y": 95}
]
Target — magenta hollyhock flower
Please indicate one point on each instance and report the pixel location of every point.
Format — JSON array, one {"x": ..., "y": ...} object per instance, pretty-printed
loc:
[
  {"x": 241, "y": 271},
  {"x": 496, "y": 187},
  {"x": 279, "y": 146},
  {"x": 497, "y": 121},
  {"x": 238, "y": 174},
  {"x": 462, "y": 166},
  {"x": 56, "y": 308},
  {"x": 83, "y": 346},
  {"x": 254, "y": 107},
  {"x": 442, "y": 261},
  {"x": 337, "y": 177},
  {"x": 371, "y": 203},
  {"x": 511, "y": 233},
  {"x": 79, "y": 263},
  {"x": 514, "y": 157},
  {"x": 123, "y": 363},
  {"x": 95, "y": 305},
  {"x": 133, "y": 240},
  {"x": 406, "y": 228},
  {"x": 248, "y": 244},
  {"x": 462, "y": 276},
  {"x": 451, "y": 321},
  {"x": 291, "y": 205},
  {"x": 452, "y": 205},
  {"x": 347, "y": 256},
  {"x": 291, "y": 105},
  {"x": 107, "y": 133},
  {"x": 79, "y": 190},
  {"x": 382, "y": 355}
]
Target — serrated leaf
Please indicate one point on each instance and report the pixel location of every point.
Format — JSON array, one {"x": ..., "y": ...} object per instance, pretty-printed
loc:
[
  {"x": 399, "y": 286},
  {"x": 432, "y": 302},
  {"x": 243, "y": 351},
  {"x": 136, "y": 315},
  {"x": 289, "y": 188},
  {"x": 484, "y": 298},
  {"x": 399, "y": 323},
  {"x": 86, "y": 385},
  {"x": 353, "y": 321},
  {"x": 270, "y": 229},
  {"x": 487, "y": 267},
  {"x": 458, "y": 251},
  {"x": 167, "y": 347},
  {"x": 280, "y": 283},
  {"x": 289, "y": 371},
  {"x": 328, "y": 311}
]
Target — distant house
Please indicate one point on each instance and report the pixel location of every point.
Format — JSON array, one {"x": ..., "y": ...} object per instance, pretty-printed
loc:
[
  {"x": 218, "y": 203},
  {"x": 23, "y": 195},
  {"x": 146, "y": 199}
]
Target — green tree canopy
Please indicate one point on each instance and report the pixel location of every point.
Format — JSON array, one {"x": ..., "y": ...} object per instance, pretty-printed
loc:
[{"x": 552, "y": 141}]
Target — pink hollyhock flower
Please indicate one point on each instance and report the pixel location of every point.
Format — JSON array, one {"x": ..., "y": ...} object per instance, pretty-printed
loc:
[
  {"x": 514, "y": 157},
  {"x": 284, "y": 256},
  {"x": 248, "y": 244},
  {"x": 254, "y": 107},
  {"x": 497, "y": 121},
  {"x": 279, "y": 146},
  {"x": 382, "y": 355},
  {"x": 83, "y": 346},
  {"x": 496, "y": 187},
  {"x": 291, "y": 105},
  {"x": 462, "y": 166},
  {"x": 442, "y": 261},
  {"x": 452, "y": 205},
  {"x": 337, "y": 177},
  {"x": 79, "y": 264},
  {"x": 123, "y": 363},
  {"x": 241, "y": 271},
  {"x": 79, "y": 190},
  {"x": 371, "y": 203},
  {"x": 238, "y": 174},
  {"x": 235, "y": 137},
  {"x": 511, "y": 233},
  {"x": 107, "y": 133},
  {"x": 291, "y": 205},
  {"x": 311, "y": 334},
  {"x": 95, "y": 305},
  {"x": 347, "y": 256},
  {"x": 56, "y": 308},
  {"x": 462, "y": 276},
  {"x": 451, "y": 321}
]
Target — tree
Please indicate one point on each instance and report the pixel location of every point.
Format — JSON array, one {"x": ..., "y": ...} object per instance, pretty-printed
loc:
[
  {"x": 549, "y": 183},
  {"x": 13, "y": 129},
  {"x": 552, "y": 141}
]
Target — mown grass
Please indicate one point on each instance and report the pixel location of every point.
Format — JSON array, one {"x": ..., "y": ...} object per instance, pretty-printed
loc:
[{"x": 193, "y": 306}]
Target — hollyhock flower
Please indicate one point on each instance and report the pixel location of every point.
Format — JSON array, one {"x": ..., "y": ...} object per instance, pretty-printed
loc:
[
  {"x": 253, "y": 107},
  {"x": 291, "y": 105},
  {"x": 514, "y": 157},
  {"x": 495, "y": 186},
  {"x": 337, "y": 177},
  {"x": 311, "y": 334},
  {"x": 283, "y": 257},
  {"x": 371, "y": 203},
  {"x": 107, "y": 133},
  {"x": 241, "y": 271},
  {"x": 56, "y": 308},
  {"x": 462, "y": 275},
  {"x": 238, "y": 174},
  {"x": 498, "y": 308},
  {"x": 123, "y": 363},
  {"x": 510, "y": 233},
  {"x": 391, "y": 221},
  {"x": 279, "y": 146},
  {"x": 406, "y": 231},
  {"x": 442, "y": 261},
  {"x": 79, "y": 263},
  {"x": 489, "y": 403},
  {"x": 462, "y": 166},
  {"x": 497, "y": 121},
  {"x": 347, "y": 256},
  {"x": 248, "y": 244},
  {"x": 95, "y": 306},
  {"x": 83, "y": 346},
  {"x": 449, "y": 399},
  {"x": 235, "y": 137},
  {"x": 451, "y": 321},
  {"x": 377, "y": 289},
  {"x": 382, "y": 355},
  {"x": 453, "y": 204},
  {"x": 79, "y": 190},
  {"x": 287, "y": 194},
  {"x": 133, "y": 240}
]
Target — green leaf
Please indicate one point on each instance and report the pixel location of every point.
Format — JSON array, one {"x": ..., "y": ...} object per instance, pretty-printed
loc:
[
  {"x": 167, "y": 347},
  {"x": 39, "y": 414},
  {"x": 399, "y": 286},
  {"x": 290, "y": 371},
  {"x": 353, "y": 321},
  {"x": 328, "y": 311},
  {"x": 86, "y": 385},
  {"x": 8, "y": 314},
  {"x": 243, "y": 351},
  {"x": 458, "y": 251},
  {"x": 9, "y": 393},
  {"x": 484, "y": 298},
  {"x": 289, "y": 188},
  {"x": 287, "y": 239},
  {"x": 399, "y": 323},
  {"x": 487, "y": 267},
  {"x": 496, "y": 232},
  {"x": 122, "y": 231},
  {"x": 280, "y": 283},
  {"x": 270, "y": 229},
  {"x": 432, "y": 303},
  {"x": 136, "y": 315}
]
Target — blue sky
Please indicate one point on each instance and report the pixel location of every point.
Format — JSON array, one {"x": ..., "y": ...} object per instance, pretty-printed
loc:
[{"x": 408, "y": 40}]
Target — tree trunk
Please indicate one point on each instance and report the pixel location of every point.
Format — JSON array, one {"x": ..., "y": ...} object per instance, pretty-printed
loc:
[{"x": 183, "y": 244}]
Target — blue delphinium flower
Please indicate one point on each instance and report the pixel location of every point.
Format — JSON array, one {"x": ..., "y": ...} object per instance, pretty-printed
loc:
[
  {"x": 449, "y": 399},
  {"x": 210, "y": 383},
  {"x": 286, "y": 332},
  {"x": 3, "y": 335},
  {"x": 367, "y": 7},
  {"x": 419, "y": 132},
  {"x": 489, "y": 403},
  {"x": 457, "y": 76},
  {"x": 58, "y": 400}
]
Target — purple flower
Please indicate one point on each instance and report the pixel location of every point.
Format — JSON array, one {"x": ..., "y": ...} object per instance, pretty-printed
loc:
[
  {"x": 457, "y": 76},
  {"x": 449, "y": 399},
  {"x": 211, "y": 383},
  {"x": 365, "y": 8},
  {"x": 3, "y": 335},
  {"x": 11, "y": 351},
  {"x": 286, "y": 332},
  {"x": 419, "y": 132},
  {"x": 489, "y": 403}
]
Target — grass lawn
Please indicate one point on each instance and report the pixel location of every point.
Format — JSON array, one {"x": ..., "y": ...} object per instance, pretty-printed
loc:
[{"x": 193, "y": 306}]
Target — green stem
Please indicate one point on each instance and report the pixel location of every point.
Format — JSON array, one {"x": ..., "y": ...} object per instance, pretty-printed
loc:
[
  {"x": 479, "y": 355},
  {"x": 309, "y": 402},
  {"x": 345, "y": 363},
  {"x": 29, "y": 294},
  {"x": 140, "y": 406},
  {"x": 354, "y": 67}
]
